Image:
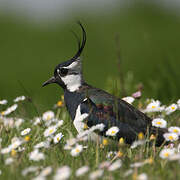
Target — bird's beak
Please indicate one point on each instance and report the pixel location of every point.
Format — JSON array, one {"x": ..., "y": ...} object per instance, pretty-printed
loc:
[{"x": 49, "y": 81}]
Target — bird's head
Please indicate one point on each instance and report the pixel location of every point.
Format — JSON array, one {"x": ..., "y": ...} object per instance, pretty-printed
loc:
[{"x": 69, "y": 73}]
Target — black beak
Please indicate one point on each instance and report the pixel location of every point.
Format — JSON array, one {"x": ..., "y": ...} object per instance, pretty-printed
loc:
[{"x": 49, "y": 81}]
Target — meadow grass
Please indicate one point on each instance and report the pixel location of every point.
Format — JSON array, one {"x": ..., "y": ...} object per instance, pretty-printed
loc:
[
  {"x": 92, "y": 155},
  {"x": 149, "y": 51},
  {"x": 148, "y": 45}
]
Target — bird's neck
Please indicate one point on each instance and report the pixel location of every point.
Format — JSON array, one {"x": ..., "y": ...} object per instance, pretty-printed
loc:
[{"x": 72, "y": 100}]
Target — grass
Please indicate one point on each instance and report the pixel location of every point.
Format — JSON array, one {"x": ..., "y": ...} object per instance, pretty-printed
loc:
[
  {"x": 149, "y": 54},
  {"x": 148, "y": 44},
  {"x": 92, "y": 156}
]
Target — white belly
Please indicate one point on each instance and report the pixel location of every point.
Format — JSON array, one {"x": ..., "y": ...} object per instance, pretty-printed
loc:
[{"x": 79, "y": 125}]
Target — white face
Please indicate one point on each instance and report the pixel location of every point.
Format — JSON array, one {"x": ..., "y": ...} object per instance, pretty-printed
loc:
[
  {"x": 72, "y": 82},
  {"x": 73, "y": 78}
]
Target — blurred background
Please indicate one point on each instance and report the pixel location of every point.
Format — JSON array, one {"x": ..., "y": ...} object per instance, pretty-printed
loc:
[{"x": 36, "y": 35}]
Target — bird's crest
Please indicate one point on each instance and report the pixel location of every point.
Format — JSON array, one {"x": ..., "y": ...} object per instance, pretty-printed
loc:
[
  {"x": 69, "y": 73},
  {"x": 81, "y": 45}
]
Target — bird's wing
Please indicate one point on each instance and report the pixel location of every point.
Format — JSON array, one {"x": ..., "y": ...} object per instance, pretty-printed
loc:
[
  {"x": 102, "y": 107},
  {"x": 105, "y": 115},
  {"x": 121, "y": 110}
]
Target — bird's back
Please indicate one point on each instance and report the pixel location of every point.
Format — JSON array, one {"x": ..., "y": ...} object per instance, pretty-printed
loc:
[{"x": 113, "y": 111}]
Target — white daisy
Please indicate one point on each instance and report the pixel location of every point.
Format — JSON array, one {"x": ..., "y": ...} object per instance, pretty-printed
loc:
[
  {"x": 178, "y": 103},
  {"x": 170, "y": 109},
  {"x": 29, "y": 170},
  {"x": 96, "y": 174},
  {"x": 39, "y": 178},
  {"x": 137, "y": 143},
  {"x": 174, "y": 129},
  {"x": 49, "y": 131},
  {"x": 18, "y": 122},
  {"x": 76, "y": 150},
  {"x": 46, "y": 171},
  {"x": 9, "y": 161},
  {"x": 9, "y": 110},
  {"x": 170, "y": 136},
  {"x": 43, "y": 144},
  {"x": 6, "y": 150},
  {"x": 99, "y": 127},
  {"x": 3, "y": 102},
  {"x": 174, "y": 157},
  {"x": 62, "y": 173},
  {"x": 59, "y": 123},
  {"x": 112, "y": 131},
  {"x": 25, "y": 131},
  {"x": 128, "y": 99},
  {"x": 111, "y": 154},
  {"x": 104, "y": 164},
  {"x": 58, "y": 137},
  {"x": 114, "y": 166},
  {"x": 137, "y": 164},
  {"x": 20, "y": 98},
  {"x": 36, "y": 155},
  {"x": 48, "y": 115},
  {"x": 142, "y": 176},
  {"x": 69, "y": 143},
  {"x": 154, "y": 106},
  {"x": 82, "y": 170},
  {"x": 159, "y": 122},
  {"x": 166, "y": 153},
  {"x": 8, "y": 122},
  {"x": 16, "y": 142},
  {"x": 178, "y": 148},
  {"x": 128, "y": 172},
  {"x": 37, "y": 120}
]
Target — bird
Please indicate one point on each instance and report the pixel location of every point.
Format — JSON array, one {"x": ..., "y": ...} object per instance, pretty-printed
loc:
[{"x": 94, "y": 106}]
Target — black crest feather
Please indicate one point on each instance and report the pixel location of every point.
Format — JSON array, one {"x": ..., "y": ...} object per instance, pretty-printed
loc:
[{"x": 80, "y": 44}]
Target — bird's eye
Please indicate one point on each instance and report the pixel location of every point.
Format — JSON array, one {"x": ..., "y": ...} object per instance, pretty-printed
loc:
[{"x": 63, "y": 71}]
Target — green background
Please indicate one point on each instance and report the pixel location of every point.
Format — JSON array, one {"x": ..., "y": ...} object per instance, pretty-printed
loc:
[{"x": 149, "y": 39}]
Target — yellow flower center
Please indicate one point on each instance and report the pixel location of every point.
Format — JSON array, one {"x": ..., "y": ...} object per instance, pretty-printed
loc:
[
  {"x": 59, "y": 103},
  {"x": 2, "y": 113},
  {"x": 121, "y": 140},
  {"x": 105, "y": 142},
  {"x": 172, "y": 107},
  {"x": 119, "y": 154},
  {"x": 140, "y": 136},
  {"x": 48, "y": 117},
  {"x": 51, "y": 131},
  {"x": 134, "y": 176},
  {"x": 58, "y": 138},
  {"x": 175, "y": 130},
  {"x": 166, "y": 154},
  {"x": 62, "y": 97},
  {"x": 85, "y": 126},
  {"x": 150, "y": 160},
  {"x": 171, "y": 137},
  {"x": 159, "y": 122},
  {"x": 77, "y": 150},
  {"x": 113, "y": 132},
  {"x": 13, "y": 152},
  {"x": 153, "y": 106},
  {"x": 27, "y": 138},
  {"x": 152, "y": 137}
]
